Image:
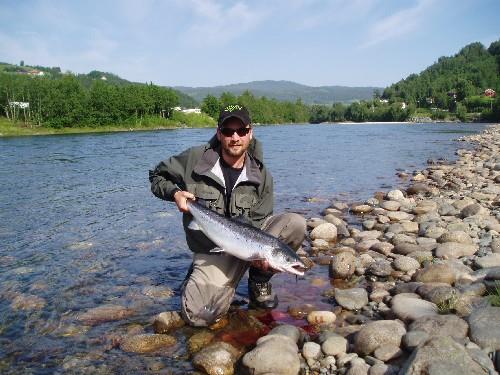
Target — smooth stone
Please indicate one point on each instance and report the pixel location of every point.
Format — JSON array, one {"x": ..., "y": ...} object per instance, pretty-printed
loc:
[
  {"x": 406, "y": 248},
  {"x": 443, "y": 356},
  {"x": 325, "y": 231},
  {"x": 410, "y": 226},
  {"x": 441, "y": 325},
  {"x": 436, "y": 273},
  {"x": 471, "y": 210},
  {"x": 167, "y": 321},
  {"x": 358, "y": 367},
  {"x": 395, "y": 228},
  {"x": 418, "y": 188},
  {"x": 395, "y": 195},
  {"x": 273, "y": 356},
  {"x": 344, "y": 359},
  {"x": 410, "y": 287},
  {"x": 328, "y": 363},
  {"x": 368, "y": 235},
  {"x": 378, "y": 295},
  {"x": 409, "y": 309},
  {"x": 217, "y": 359},
  {"x": 399, "y": 215},
  {"x": 380, "y": 267},
  {"x": 488, "y": 261},
  {"x": 384, "y": 248},
  {"x": 400, "y": 238},
  {"x": 159, "y": 291},
  {"x": 311, "y": 350},
  {"x": 462, "y": 203},
  {"x": 383, "y": 369},
  {"x": 375, "y": 334},
  {"x": 342, "y": 265},
  {"x": 369, "y": 224},
  {"x": 320, "y": 244},
  {"x": 146, "y": 343},
  {"x": 351, "y": 299},
  {"x": 292, "y": 332},
  {"x": 455, "y": 236},
  {"x": 413, "y": 339},
  {"x": 485, "y": 327},
  {"x": 454, "y": 250},
  {"x": 333, "y": 219},
  {"x": 321, "y": 317},
  {"x": 390, "y": 205},
  {"x": 405, "y": 264},
  {"x": 314, "y": 222},
  {"x": 438, "y": 294},
  {"x": 365, "y": 245},
  {"x": 387, "y": 352},
  {"x": 361, "y": 209},
  {"x": 335, "y": 345},
  {"x": 434, "y": 232},
  {"x": 200, "y": 340},
  {"x": 495, "y": 246}
]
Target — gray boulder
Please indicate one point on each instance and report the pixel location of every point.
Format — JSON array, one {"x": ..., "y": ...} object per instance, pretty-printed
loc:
[
  {"x": 351, "y": 299},
  {"x": 485, "y": 327},
  {"x": 441, "y": 325},
  {"x": 375, "y": 334}
]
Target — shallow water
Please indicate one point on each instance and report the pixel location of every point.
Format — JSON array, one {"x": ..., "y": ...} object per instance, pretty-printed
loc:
[{"x": 80, "y": 228}]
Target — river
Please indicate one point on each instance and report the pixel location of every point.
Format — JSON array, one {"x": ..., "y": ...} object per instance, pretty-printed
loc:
[{"x": 79, "y": 227}]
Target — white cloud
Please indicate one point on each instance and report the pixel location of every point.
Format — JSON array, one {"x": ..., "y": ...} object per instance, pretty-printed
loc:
[
  {"x": 398, "y": 24},
  {"x": 216, "y": 25}
]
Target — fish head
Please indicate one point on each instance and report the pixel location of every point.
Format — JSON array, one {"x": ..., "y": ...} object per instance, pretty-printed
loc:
[{"x": 285, "y": 260}]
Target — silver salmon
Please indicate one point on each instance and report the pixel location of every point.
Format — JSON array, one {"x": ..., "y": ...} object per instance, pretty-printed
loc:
[{"x": 243, "y": 240}]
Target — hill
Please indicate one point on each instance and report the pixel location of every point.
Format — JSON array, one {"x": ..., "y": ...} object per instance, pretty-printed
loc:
[
  {"x": 459, "y": 79},
  {"x": 286, "y": 91},
  {"x": 87, "y": 79}
]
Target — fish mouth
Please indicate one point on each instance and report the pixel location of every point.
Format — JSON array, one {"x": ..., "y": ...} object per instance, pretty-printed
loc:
[{"x": 296, "y": 269}]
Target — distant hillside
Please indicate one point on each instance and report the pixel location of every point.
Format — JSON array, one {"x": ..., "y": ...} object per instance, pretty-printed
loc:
[
  {"x": 287, "y": 91},
  {"x": 452, "y": 80},
  {"x": 87, "y": 79}
]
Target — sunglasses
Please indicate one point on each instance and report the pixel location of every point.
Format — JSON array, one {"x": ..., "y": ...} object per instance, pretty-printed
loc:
[{"x": 228, "y": 132}]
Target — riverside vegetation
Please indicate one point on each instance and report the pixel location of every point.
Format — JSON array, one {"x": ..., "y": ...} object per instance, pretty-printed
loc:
[
  {"x": 451, "y": 89},
  {"x": 414, "y": 276}
]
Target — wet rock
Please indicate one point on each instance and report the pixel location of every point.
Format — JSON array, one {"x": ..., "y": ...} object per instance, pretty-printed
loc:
[
  {"x": 409, "y": 309},
  {"x": 390, "y": 205},
  {"x": 442, "y": 355},
  {"x": 403, "y": 238},
  {"x": 418, "y": 188},
  {"x": 438, "y": 293},
  {"x": 161, "y": 292},
  {"x": 384, "y": 248},
  {"x": 167, "y": 321},
  {"x": 320, "y": 244},
  {"x": 146, "y": 343},
  {"x": 375, "y": 334},
  {"x": 300, "y": 311},
  {"x": 434, "y": 231},
  {"x": 321, "y": 317},
  {"x": 314, "y": 222},
  {"x": 405, "y": 264},
  {"x": 436, "y": 273},
  {"x": 325, "y": 231},
  {"x": 343, "y": 265},
  {"x": 358, "y": 367},
  {"x": 200, "y": 340},
  {"x": 335, "y": 345},
  {"x": 28, "y": 302},
  {"x": 361, "y": 209},
  {"x": 454, "y": 250},
  {"x": 217, "y": 359},
  {"x": 495, "y": 245},
  {"x": 264, "y": 358},
  {"x": 399, "y": 215},
  {"x": 351, "y": 299},
  {"x": 378, "y": 295},
  {"x": 292, "y": 332},
  {"x": 405, "y": 248},
  {"x": 488, "y": 261},
  {"x": 380, "y": 267},
  {"x": 383, "y": 369},
  {"x": 104, "y": 313},
  {"x": 368, "y": 235},
  {"x": 441, "y": 325},
  {"x": 485, "y": 327}
]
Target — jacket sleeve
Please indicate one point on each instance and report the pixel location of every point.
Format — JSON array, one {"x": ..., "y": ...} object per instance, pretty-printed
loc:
[
  {"x": 168, "y": 176},
  {"x": 264, "y": 207}
]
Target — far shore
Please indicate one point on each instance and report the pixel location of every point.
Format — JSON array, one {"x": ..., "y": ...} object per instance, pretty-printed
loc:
[{"x": 7, "y": 129}]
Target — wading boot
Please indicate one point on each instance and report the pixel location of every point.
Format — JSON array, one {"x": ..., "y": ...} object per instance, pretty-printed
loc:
[{"x": 261, "y": 295}]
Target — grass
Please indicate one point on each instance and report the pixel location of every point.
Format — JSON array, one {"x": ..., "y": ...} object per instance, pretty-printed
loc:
[
  {"x": 178, "y": 120},
  {"x": 448, "y": 306},
  {"x": 494, "y": 295}
]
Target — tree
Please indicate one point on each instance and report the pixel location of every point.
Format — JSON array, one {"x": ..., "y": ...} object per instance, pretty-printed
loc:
[{"x": 21, "y": 63}]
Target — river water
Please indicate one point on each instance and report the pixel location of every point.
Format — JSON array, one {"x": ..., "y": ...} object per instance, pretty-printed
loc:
[{"x": 79, "y": 227}]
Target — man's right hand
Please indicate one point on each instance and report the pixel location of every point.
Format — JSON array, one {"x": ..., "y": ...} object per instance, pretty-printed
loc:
[{"x": 181, "y": 198}]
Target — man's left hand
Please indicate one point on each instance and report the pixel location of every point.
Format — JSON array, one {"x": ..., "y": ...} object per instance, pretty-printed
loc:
[{"x": 263, "y": 265}]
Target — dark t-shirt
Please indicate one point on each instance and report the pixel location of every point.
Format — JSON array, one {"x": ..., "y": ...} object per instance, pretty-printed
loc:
[{"x": 230, "y": 177}]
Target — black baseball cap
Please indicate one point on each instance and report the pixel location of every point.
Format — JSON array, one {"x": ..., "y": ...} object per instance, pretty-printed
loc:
[{"x": 236, "y": 111}]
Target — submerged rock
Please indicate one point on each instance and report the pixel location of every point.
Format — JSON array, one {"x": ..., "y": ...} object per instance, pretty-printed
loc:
[
  {"x": 146, "y": 343},
  {"x": 217, "y": 359},
  {"x": 167, "y": 321},
  {"x": 104, "y": 313},
  {"x": 28, "y": 302},
  {"x": 351, "y": 299}
]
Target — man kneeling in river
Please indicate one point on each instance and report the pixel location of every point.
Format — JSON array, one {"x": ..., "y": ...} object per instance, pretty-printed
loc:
[{"x": 229, "y": 175}]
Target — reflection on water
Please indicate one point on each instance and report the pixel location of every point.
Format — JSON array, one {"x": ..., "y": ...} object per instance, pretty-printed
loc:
[{"x": 80, "y": 229}]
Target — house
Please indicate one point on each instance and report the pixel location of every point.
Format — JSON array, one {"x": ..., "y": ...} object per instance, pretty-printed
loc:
[
  {"x": 103, "y": 78},
  {"x": 36, "y": 72},
  {"x": 187, "y": 110}
]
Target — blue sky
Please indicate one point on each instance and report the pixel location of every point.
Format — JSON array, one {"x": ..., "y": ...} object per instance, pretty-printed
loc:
[{"x": 209, "y": 42}]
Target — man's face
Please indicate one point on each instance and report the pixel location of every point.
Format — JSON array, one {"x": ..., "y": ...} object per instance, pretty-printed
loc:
[{"x": 234, "y": 145}]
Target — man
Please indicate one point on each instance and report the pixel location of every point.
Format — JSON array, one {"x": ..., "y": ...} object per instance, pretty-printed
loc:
[{"x": 229, "y": 176}]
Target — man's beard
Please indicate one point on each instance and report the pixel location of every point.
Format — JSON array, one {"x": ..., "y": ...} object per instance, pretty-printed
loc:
[{"x": 235, "y": 152}]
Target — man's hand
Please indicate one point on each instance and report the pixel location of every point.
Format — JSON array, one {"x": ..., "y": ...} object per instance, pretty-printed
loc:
[
  {"x": 181, "y": 198},
  {"x": 263, "y": 265}
]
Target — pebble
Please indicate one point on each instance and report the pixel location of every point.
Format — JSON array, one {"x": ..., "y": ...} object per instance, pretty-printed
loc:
[
  {"x": 334, "y": 345},
  {"x": 321, "y": 317}
]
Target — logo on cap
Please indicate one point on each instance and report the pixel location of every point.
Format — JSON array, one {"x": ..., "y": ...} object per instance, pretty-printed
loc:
[{"x": 234, "y": 107}]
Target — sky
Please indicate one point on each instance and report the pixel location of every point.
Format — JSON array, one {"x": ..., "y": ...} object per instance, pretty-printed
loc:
[{"x": 210, "y": 42}]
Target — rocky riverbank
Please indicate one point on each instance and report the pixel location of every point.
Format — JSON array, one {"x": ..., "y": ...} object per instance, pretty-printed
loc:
[{"x": 415, "y": 280}]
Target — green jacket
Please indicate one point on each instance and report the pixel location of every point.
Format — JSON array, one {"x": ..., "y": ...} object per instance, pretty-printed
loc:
[{"x": 197, "y": 170}]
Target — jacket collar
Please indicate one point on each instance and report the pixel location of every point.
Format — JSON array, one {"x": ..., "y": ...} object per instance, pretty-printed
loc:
[{"x": 208, "y": 165}]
